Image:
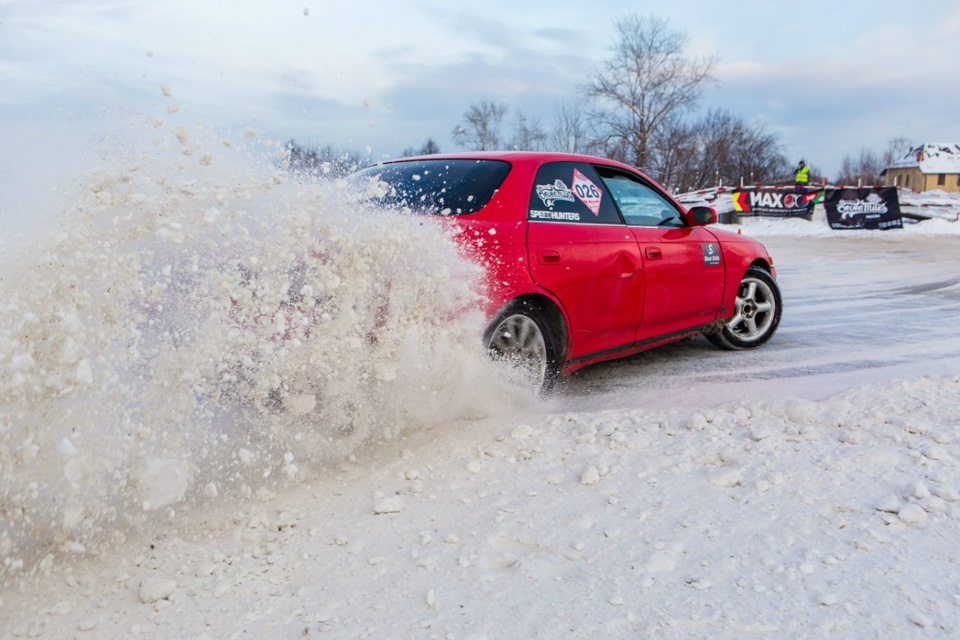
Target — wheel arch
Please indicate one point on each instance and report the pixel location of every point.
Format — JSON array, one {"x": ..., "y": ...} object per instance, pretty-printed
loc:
[
  {"x": 733, "y": 278},
  {"x": 725, "y": 335},
  {"x": 550, "y": 309},
  {"x": 759, "y": 263}
]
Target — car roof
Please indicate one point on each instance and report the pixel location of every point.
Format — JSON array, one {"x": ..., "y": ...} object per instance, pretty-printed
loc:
[{"x": 536, "y": 157}]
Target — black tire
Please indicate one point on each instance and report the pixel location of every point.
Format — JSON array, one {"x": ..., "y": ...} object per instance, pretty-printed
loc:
[
  {"x": 756, "y": 313},
  {"x": 522, "y": 337}
]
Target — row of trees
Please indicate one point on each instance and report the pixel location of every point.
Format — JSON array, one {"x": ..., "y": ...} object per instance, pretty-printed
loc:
[
  {"x": 866, "y": 166},
  {"x": 639, "y": 107},
  {"x": 328, "y": 162}
]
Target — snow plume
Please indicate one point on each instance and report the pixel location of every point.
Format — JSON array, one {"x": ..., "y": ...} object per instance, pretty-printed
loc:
[{"x": 199, "y": 327}]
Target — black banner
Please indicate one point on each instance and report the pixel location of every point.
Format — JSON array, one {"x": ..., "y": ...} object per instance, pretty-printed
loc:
[{"x": 870, "y": 208}]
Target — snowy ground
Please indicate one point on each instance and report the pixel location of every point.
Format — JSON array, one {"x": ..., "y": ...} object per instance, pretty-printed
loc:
[{"x": 807, "y": 489}]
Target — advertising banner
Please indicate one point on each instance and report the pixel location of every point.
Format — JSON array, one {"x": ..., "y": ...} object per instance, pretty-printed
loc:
[
  {"x": 870, "y": 208},
  {"x": 780, "y": 202}
]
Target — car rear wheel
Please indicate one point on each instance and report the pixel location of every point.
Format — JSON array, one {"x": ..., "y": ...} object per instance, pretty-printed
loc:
[
  {"x": 522, "y": 337},
  {"x": 756, "y": 313}
]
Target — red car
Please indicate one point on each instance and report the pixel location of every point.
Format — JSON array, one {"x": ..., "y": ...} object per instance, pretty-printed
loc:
[{"x": 588, "y": 259}]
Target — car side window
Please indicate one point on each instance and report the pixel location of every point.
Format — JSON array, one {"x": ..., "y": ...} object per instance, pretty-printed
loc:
[
  {"x": 441, "y": 187},
  {"x": 571, "y": 192},
  {"x": 639, "y": 203}
]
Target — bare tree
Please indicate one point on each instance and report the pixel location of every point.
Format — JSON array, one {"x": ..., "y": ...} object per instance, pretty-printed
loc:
[
  {"x": 645, "y": 82},
  {"x": 864, "y": 169},
  {"x": 717, "y": 137},
  {"x": 676, "y": 155},
  {"x": 897, "y": 148},
  {"x": 322, "y": 162},
  {"x": 480, "y": 129},
  {"x": 867, "y": 165},
  {"x": 754, "y": 155},
  {"x": 570, "y": 132},
  {"x": 528, "y": 135},
  {"x": 717, "y": 147},
  {"x": 429, "y": 147}
]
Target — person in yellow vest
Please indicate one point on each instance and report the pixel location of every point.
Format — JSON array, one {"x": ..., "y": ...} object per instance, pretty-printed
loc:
[{"x": 802, "y": 178}]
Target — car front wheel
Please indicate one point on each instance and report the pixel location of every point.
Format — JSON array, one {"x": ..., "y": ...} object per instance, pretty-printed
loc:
[
  {"x": 522, "y": 338},
  {"x": 756, "y": 313}
]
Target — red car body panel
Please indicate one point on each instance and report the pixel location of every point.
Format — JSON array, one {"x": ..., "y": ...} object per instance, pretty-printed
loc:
[
  {"x": 603, "y": 265},
  {"x": 620, "y": 288}
]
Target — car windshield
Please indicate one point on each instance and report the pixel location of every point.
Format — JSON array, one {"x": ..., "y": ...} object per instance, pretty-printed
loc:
[{"x": 442, "y": 187}]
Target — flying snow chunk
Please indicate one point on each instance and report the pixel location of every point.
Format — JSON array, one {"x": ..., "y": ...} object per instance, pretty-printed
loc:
[
  {"x": 393, "y": 504},
  {"x": 210, "y": 490},
  {"x": 21, "y": 362},
  {"x": 522, "y": 432},
  {"x": 300, "y": 404},
  {"x": 84, "y": 372},
  {"x": 163, "y": 482},
  {"x": 156, "y": 588},
  {"x": 67, "y": 448}
]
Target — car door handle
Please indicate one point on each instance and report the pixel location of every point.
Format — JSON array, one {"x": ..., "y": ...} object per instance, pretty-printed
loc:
[
  {"x": 653, "y": 253},
  {"x": 548, "y": 256}
]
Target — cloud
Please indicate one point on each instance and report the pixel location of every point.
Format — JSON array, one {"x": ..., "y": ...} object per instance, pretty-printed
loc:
[
  {"x": 887, "y": 79},
  {"x": 828, "y": 84}
]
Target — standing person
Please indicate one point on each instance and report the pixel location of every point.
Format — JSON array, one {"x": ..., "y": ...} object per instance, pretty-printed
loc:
[{"x": 802, "y": 177}]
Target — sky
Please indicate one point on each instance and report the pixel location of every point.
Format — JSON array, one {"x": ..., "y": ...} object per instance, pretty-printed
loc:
[{"x": 385, "y": 76}]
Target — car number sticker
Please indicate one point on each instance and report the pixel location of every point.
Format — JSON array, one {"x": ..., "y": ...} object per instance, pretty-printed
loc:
[
  {"x": 588, "y": 192},
  {"x": 550, "y": 193},
  {"x": 711, "y": 254}
]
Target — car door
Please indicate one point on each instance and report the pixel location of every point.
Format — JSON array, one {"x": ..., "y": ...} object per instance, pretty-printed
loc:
[
  {"x": 683, "y": 264},
  {"x": 580, "y": 250}
]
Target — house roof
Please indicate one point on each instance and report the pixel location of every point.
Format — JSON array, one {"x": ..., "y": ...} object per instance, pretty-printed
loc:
[{"x": 931, "y": 157}]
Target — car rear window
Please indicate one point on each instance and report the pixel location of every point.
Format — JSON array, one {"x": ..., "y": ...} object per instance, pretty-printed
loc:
[{"x": 441, "y": 187}]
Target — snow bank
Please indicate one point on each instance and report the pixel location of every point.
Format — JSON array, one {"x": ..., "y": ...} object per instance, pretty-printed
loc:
[
  {"x": 789, "y": 517},
  {"x": 818, "y": 228}
]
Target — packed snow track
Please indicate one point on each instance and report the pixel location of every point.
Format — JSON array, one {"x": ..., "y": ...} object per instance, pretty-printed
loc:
[{"x": 810, "y": 488}]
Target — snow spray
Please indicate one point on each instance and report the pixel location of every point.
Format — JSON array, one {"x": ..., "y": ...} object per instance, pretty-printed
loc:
[{"x": 197, "y": 325}]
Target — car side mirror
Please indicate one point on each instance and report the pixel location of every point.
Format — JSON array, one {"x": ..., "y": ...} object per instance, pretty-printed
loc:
[{"x": 701, "y": 216}]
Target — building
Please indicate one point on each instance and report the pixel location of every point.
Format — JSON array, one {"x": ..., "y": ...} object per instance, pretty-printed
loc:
[{"x": 931, "y": 166}]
